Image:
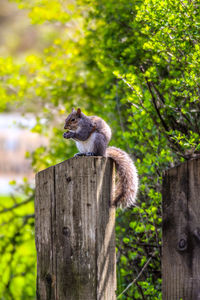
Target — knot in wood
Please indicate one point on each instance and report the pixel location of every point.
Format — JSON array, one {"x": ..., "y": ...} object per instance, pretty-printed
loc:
[
  {"x": 182, "y": 245},
  {"x": 48, "y": 279},
  {"x": 66, "y": 231},
  {"x": 68, "y": 178}
]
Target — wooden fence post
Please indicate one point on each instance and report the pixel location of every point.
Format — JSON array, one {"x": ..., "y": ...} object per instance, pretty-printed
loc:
[
  {"x": 181, "y": 232},
  {"x": 75, "y": 231}
]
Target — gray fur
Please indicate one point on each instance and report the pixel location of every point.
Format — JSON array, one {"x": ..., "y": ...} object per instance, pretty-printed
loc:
[
  {"x": 100, "y": 145},
  {"x": 92, "y": 135}
]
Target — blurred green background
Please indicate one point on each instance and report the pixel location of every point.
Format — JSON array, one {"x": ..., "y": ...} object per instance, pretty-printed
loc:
[{"x": 133, "y": 63}]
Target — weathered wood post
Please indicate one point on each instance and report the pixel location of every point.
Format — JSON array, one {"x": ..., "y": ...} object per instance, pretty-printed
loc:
[
  {"x": 75, "y": 231},
  {"x": 181, "y": 232}
]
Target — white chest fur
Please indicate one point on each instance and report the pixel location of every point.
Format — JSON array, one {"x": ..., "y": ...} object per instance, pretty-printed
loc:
[{"x": 86, "y": 146}]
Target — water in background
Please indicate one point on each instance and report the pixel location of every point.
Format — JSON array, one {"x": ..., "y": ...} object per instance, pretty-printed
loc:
[{"x": 15, "y": 141}]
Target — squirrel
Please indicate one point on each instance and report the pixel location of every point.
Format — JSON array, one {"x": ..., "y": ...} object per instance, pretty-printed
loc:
[{"x": 92, "y": 135}]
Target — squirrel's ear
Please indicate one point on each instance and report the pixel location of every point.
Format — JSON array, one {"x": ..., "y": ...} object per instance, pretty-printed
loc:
[
  {"x": 78, "y": 112},
  {"x": 73, "y": 110}
]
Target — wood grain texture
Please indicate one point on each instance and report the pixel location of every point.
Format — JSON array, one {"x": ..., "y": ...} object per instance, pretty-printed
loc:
[
  {"x": 44, "y": 202},
  {"x": 75, "y": 231},
  {"x": 181, "y": 232}
]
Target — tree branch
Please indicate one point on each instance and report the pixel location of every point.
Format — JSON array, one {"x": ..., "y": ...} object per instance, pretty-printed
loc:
[
  {"x": 138, "y": 276},
  {"x": 16, "y": 205}
]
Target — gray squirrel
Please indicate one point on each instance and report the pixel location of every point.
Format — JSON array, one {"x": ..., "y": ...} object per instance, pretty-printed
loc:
[{"x": 92, "y": 135}]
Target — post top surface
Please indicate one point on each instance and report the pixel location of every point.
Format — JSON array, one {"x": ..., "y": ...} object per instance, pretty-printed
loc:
[
  {"x": 80, "y": 159},
  {"x": 179, "y": 165}
]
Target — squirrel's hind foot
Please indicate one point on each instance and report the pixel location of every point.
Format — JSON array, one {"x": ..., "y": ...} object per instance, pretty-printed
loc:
[
  {"x": 85, "y": 154},
  {"x": 79, "y": 154},
  {"x": 90, "y": 154}
]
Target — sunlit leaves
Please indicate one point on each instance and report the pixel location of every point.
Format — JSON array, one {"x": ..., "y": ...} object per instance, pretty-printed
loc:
[
  {"x": 17, "y": 248},
  {"x": 43, "y": 10},
  {"x": 171, "y": 35}
]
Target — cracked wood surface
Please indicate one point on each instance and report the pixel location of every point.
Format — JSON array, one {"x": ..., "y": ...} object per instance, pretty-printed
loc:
[
  {"x": 181, "y": 232},
  {"x": 75, "y": 231}
]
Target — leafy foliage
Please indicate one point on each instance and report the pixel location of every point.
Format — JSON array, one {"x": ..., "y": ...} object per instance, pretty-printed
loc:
[
  {"x": 139, "y": 61},
  {"x": 18, "y": 257}
]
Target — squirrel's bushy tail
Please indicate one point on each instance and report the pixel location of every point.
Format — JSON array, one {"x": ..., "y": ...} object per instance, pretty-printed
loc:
[{"x": 127, "y": 178}]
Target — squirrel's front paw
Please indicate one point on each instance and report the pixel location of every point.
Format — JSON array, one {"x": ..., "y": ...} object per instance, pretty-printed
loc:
[{"x": 68, "y": 135}]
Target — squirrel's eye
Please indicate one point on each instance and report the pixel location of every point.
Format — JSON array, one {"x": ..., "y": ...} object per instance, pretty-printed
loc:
[{"x": 72, "y": 120}]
